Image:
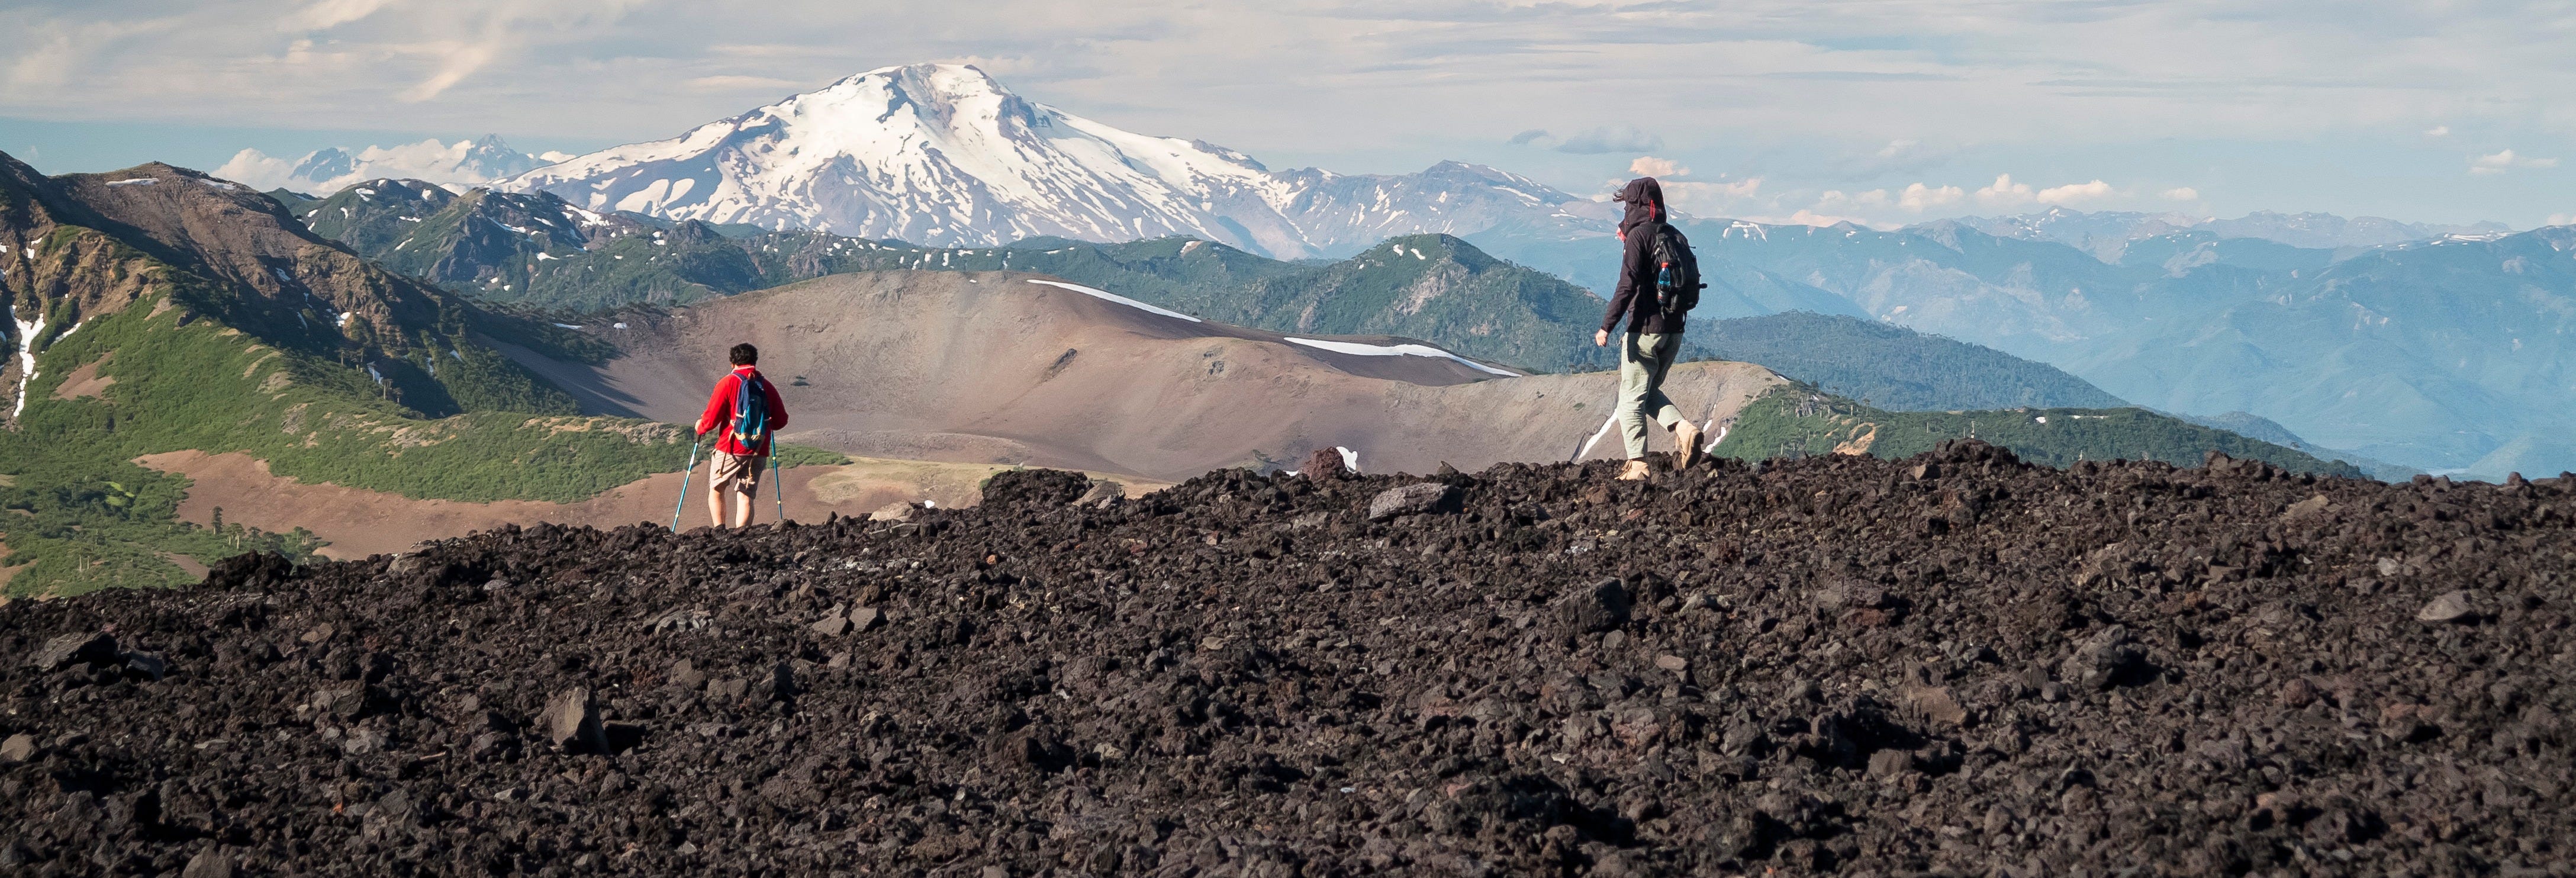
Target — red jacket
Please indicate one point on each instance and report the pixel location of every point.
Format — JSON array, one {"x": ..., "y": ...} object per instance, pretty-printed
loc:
[{"x": 719, "y": 414}]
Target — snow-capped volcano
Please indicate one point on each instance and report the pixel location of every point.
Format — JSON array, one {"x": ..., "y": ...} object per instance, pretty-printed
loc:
[
  {"x": 942, "y": 154},
  {"x": 459, "y": 165}
]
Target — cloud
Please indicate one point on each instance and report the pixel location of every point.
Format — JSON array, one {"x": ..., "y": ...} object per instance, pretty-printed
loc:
[
  {"x": 1919, "y": 198},
  {"x": 2075, "y": 193},
  {"x": 1809, "y": 217},
  {"x": 1711, "y": 198},
  {"x": 329, "y": 14},
  {"x": 2560, "y": 219},
  {"x": 2499, "y": 162},
  {"x": 1835, "y": 198},
  {"x": 1610, "y": 138},
  {"x": 2438, "y": 131},
  {"x": 735, "y": 82},
  {"x": 2005, "y": 192},
  {"x": 1529, "y": 136},
  {"x": 2181, "y": 193},
  {"x": 1903, "y": 155},
  {"x": 256, "y": 169},
  {"x": 456, "y": 61},
  {"x": 1650, "y": 166}
]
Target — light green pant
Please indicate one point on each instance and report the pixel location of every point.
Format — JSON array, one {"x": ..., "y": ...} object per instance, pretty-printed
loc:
[{"x": 1643, "y": 360}]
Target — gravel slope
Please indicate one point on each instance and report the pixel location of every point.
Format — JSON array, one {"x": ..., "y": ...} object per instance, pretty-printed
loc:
[{"x": 1953, "y": 664}]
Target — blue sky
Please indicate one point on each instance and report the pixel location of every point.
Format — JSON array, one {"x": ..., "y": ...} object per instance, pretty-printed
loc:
[{"x": 2441, "y": 112}]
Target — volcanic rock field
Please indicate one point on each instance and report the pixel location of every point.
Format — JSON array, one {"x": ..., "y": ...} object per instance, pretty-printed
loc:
[{"x": 1955, "y": 664}]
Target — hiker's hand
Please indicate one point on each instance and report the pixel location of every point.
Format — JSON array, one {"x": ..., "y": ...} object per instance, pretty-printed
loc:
[{"x": 1601, "y": 338}]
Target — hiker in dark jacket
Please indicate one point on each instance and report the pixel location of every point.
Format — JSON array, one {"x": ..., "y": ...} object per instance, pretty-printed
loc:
[
  {"x": 743, "y": 448},
  {"x": 1654, "y": 333}
]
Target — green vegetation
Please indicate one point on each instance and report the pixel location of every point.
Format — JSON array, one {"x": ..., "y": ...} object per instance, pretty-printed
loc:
[
  {"x": 686, "y": 263},
  {"x": 77, "y": 513},
  {"x": 87, "y": 516},
  {"x": 296, "y": 203},
  {"x": 1797, "y": 421},
  {"x": 1895, "y": 368}
]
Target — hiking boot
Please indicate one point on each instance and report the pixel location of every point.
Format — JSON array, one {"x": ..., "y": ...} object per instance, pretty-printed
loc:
[
  {"x": 1635, "y": 471},
  {"x": 1686, "y": 435}
]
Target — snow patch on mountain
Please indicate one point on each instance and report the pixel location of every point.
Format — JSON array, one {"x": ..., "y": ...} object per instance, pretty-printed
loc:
[
  {"x": 1358, "y": 349},
  {"x": 1108, "y": 296}
]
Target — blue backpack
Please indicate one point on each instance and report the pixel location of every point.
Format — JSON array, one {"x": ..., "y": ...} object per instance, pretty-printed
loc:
[{"x": 751, "y": 413}]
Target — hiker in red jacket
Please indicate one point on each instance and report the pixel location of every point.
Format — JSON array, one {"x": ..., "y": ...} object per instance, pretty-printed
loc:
[{"x": 746, "y": 408}]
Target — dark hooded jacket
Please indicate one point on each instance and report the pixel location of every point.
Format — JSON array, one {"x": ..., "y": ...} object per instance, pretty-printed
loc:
[{"x": 1635, "y": 297}]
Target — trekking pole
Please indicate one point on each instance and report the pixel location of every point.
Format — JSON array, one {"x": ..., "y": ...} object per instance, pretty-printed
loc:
[
  {"x": 777, "y": 489},
  {"x": 684, "y": 483}
]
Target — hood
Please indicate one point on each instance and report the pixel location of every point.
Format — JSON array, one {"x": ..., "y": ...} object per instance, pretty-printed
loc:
[{"x": 1645, "y": 200}]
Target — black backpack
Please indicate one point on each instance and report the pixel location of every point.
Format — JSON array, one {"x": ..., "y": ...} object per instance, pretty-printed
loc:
[{"x": 1677, "y": 282}]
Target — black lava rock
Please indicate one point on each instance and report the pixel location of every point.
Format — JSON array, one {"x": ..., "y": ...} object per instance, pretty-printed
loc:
[
  {"x": 1239, "y": 675},
  {"x": 1414, "y": 499},
  {"x": 1600, "y": 606}
]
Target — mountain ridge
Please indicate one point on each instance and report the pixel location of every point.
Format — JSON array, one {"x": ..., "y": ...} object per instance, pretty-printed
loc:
[
  {"x": 2443, "y": 355},
  {"x": 156, "y": 309}
]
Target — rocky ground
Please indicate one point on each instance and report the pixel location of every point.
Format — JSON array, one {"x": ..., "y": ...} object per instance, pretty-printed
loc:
[{"x": 1955, "y": 664}]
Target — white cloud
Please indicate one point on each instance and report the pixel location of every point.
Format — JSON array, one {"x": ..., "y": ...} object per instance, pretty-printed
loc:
[
  {"x": 256, "y": 169},
  {"x": 731, "y": 82},
  {"x": 2075, "y": 193},
  {"x": 1900, "y": 156},
  {"x": 2499, "y": 162},
  {"x": 2438, "y": 131},
  {"x": 456, "y": 61},
  {"x": 1838, "y": 199},
  {"x": 1711, "y": 198},
  {"x": 1650, "y": 166},
  {"x": 1809, "y": 217},
  {"x": 2004, "y": 192},
  {"x": 2181, "y": 193},
  {"x": 329, "y": 14},
  {"x": 2560, "y": 219},
  {"x": 1919, "y": 198},
  {"x": 1610, "y": 138}
]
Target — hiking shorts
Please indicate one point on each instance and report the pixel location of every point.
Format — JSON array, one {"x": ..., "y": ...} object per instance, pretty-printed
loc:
[{"x": 735, "y": 472}]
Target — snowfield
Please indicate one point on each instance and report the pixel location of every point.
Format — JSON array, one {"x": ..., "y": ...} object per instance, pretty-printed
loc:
[{"x": 1400, "y": 350}]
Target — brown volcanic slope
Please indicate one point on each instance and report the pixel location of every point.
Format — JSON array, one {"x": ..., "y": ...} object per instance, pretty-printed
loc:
[{"x": 993, "y": 367}]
